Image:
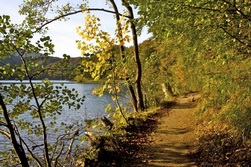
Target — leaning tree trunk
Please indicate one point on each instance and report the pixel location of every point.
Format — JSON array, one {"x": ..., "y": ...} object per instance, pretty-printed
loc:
[
  {"x": 17, "y": 147},
  {"x": 122, "y": 51},
  {"x": 140, "y": 99}
]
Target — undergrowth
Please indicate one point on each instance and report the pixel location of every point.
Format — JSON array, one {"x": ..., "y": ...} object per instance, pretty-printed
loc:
[
  {"x": 222, "y": 149},
  {"x": 119, "y": 145}
]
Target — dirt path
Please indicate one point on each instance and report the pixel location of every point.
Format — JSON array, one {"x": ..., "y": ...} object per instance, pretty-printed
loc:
[{"x": 174, "y": 137}]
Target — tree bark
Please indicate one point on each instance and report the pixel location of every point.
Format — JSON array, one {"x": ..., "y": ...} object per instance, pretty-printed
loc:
[
  {"x": 140, "y": 99},
  {"x": 17, "y": 147},
  {"x": 122, "y": 51}
]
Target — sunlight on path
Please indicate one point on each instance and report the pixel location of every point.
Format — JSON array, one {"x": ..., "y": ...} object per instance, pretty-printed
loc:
[{"x": 174, "y": 137}]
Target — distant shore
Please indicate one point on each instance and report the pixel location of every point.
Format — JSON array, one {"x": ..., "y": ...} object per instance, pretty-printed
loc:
[{"x": 35, "y": 81}]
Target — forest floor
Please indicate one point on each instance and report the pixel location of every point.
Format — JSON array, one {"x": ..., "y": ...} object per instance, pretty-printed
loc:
[{"x": 174, "y": 137}]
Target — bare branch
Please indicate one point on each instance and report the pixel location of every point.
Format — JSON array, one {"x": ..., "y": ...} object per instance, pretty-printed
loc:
[
  {"x": 59, "y": 154},
  {"x": 231, "y": 35},
  {"x": 35, "y": 146},
  {"x": 33, "y": 156},
  {"x": 238, "y": 10},
  {"x": 5, "y": 133},
  {"x": 60, "y": 137},
  {"x": 33, "y": 107},
  {"x": 42, "y": 103},
  {"x": 73, "y": 13},
  {"x": 75, "y": 133}
]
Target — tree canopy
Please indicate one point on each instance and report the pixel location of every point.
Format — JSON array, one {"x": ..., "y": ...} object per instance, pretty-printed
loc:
[
  {"x": 196, "y": 45},
  {"x": 205, "y": 46}
]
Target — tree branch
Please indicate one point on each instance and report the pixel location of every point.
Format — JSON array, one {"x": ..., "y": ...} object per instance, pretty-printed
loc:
[
  {"x": 18, "y": 148},
  {"x": 27, "y": 72},
  {"x": 60, "y": 137},
  {"x": 238, "y": 10},
  {"x": 202, "y": 8},
  {"x": 73, "y": 13},
  {"x": 5, "y": 133},
  {"x": 28, "y": 149},
  {"x": 231, "y": 35},
  {"x": 75, "y": 133},
  {"x": 59, "y": 154}
]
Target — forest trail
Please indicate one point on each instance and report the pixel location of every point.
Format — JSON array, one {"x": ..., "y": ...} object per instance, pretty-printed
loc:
[{"x": 175, "y": 136}]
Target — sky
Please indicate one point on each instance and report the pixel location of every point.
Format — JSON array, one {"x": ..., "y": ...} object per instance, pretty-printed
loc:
[{"x": 63, "y": 34}]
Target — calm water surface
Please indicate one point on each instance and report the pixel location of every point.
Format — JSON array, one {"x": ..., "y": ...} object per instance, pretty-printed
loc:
[{"x": 93, "y": 106}]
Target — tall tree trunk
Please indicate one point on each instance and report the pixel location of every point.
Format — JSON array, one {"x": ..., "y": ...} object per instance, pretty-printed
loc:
[
  {"x": 18, "y": 147},
  {"x": 122, "y": 51},
  {"x": 140, "y": 99}
]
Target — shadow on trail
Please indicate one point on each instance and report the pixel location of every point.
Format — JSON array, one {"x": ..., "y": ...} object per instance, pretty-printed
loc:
[
  {"x": 184, "y": 105},
  {"x": 173, "y": 139},
  {"x": 175, "y": 131},
  {"x": 171, "y": 152}
]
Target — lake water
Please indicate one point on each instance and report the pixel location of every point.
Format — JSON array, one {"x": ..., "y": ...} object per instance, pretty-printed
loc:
[{"x": 93, "y": 106}]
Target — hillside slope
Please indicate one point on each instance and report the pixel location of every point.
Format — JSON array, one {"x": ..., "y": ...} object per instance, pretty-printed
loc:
[{"x": 54, "y": 63}]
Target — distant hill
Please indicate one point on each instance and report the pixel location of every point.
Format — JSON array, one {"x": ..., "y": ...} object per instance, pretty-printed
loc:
[{"x": 60, "y": 69}]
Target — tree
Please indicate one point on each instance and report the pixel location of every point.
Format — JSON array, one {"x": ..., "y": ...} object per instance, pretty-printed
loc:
[
  {"x": 201, "y": 18},
  {"x": 209, "y": 41},
  {"x": 122, "y": 53},
  {"x": 140, "y": 103},
  {"x": 16, "y": 39},
  {"x": 43, "y": 7},
  {"x": 33, "y": 108}
]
